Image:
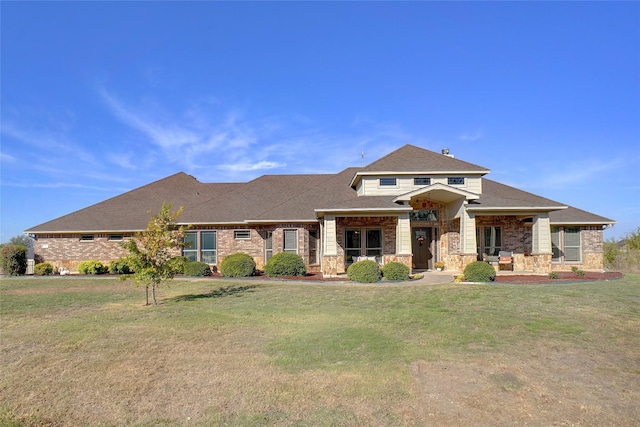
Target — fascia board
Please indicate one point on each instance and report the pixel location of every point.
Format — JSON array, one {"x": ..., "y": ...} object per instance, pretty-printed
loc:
[
  {"x": 359, "y": 175},
  {"x": 520, "y": 209},
  {"x": 434, "y": 187}
]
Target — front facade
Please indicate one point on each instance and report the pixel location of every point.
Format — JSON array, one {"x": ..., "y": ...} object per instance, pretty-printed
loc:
[{"x": 414, "y": 206}]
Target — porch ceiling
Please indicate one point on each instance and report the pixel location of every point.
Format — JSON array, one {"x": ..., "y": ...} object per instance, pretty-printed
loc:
[{"x": 438, "y": 192}]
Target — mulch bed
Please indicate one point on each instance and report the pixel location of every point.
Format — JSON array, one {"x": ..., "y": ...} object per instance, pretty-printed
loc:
[{"x": 563, "y": 277}]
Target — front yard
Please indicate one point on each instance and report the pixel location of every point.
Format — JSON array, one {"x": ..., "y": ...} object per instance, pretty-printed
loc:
[{"x": 84, "y": 351}]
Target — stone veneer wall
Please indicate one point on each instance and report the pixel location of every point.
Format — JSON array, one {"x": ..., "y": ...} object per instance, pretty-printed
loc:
[{"x": 592, "y": 239}]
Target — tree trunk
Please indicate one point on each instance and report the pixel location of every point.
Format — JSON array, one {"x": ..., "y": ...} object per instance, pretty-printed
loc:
[
  {"x": 146, "y": 291},
  {"x": 153, "y": 294}
]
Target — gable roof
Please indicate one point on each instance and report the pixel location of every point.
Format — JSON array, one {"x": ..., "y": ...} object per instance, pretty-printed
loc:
[
  {"x": 411, "y": 159},
  {"x": 291, "y": 199}
]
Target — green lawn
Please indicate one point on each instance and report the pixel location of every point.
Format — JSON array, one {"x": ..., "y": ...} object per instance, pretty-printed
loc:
[{"x": 79, "y": 351}]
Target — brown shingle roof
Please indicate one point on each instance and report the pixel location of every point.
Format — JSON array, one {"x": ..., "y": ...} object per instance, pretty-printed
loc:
[
  {"x": 281, "y": 198},
  {"x": 410, "y": 158}
]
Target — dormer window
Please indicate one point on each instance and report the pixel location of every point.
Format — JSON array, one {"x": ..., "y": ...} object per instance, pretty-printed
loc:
[
  {"x": 455, "y": 180},
  {"x": 421, "y": 181},
  {"x": 388, "y": 182}
]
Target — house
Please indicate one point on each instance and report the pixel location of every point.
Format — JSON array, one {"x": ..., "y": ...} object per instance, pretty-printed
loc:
[{"x": 413, "y": 205}]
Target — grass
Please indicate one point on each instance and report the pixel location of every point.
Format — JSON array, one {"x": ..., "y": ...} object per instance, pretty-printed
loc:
[{"x": 78, "y": 351}]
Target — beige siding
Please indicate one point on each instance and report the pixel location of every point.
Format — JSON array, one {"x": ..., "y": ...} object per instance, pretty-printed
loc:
[{"x": 370, "y": 185}]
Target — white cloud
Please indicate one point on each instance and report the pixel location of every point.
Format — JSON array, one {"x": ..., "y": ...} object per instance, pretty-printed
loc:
[{"x": 248, "y": 167}]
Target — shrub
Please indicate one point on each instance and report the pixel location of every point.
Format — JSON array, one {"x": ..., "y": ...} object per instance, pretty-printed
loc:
[
  {"x": 580, "y": 273},
  {"x": 197, "y": 269},
  {"x": 91, "y": 266},
  {"x": 396, "y": 271},
  {"x": 553, "y": 275},
  {"x": 364, "y": 272},
  {"x": 285, "y": 264},
  {"x": 13, "y": 259},
  {"x": 120, "y": 266},
  {"x": 43, "y": 269},
  {"x": 179, "y": 263},
  {"x": 479, "y": 271},
  {"x": 238, "y": 265}
]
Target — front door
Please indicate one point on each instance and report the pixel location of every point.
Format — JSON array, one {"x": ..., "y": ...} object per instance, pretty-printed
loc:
[{"x": 422, "y": 239}]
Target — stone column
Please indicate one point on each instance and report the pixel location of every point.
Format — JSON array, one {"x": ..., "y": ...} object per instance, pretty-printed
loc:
[
  {"x": 331, "y": 264},
  {"x": 541, "y": 243}
]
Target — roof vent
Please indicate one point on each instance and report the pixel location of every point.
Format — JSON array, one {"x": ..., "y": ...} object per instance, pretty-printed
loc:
[{"x": 445, "y": 151}]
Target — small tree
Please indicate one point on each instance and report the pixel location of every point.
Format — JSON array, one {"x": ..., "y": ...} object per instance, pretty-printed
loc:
[
  {"x": 151, "y": 250},
  {"x": 13, "y": 259}
]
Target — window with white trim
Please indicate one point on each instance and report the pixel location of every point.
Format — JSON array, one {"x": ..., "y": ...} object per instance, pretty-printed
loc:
[
  {"x": 208, "y": 247},
  {"x": 388, "y": 182},
  {"x": 268, "y": 245},
  {"x": 290, "y": 243},
  {"x": 190, "y": 249},
  {"x": 86, "y": 238},
  {"x": 566, "y": 244},
  {"x": 455, "y": 180},
  {"x": 313, "y": 247},
  {"x": 242, "y": 234},
  {"x": 421, "y": 181},
  {"x": 115, "y": 237}
]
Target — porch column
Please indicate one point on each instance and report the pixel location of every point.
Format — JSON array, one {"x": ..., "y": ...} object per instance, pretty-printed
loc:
[
  {"x": 332, "y": 265},
  {"x": 403, "y": 235},
  {"x": 468, "y": 244},
  {"x": 330, "y": 242},
  {"x": 542, "y": 252},
  {"x": 541, "y": 242}
]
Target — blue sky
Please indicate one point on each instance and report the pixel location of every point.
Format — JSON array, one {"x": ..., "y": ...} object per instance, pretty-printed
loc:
[{"x": 98, "y": 98}]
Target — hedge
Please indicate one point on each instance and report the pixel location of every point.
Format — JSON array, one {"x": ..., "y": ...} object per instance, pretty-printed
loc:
[
  {"x": 285, "y": 264},
  {"x": 238, "y": 265},
  {"x": 364, "y": 272}
]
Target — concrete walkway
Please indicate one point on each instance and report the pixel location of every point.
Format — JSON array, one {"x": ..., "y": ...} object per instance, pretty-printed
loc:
[{"x": 435, "y": 277}]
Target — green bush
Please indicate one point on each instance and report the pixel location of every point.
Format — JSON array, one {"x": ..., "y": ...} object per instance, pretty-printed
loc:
[
  {"x": 580, "y": 273},
  {"x": 396, "y": 271},
  {"x": 197, "y": 269},
  {"x": 364, "y": 272},
  {"x": 120, "y": 266},
  {"x": 479, "y": 271},
  {"x": 13, "y": 259},
  {"x": 178, "y": 264},
  {"x": 238, "y": 265},
  {"x": 553, "y": 275},
  {"x": 285, "y": 264},
  {"x": 43, "y": 269},
  {"x": 91, "y": 266}
]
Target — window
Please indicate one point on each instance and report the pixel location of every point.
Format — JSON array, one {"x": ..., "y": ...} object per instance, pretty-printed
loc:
[
  {"x": 388, "y": 182},
  {"x": 421, "y": 181},
  {"x": 190, "y": 249},
  {"x": 555, "y": 244},
  {"x": 424, "y": 215},
  {"x": 455, "y": 180},
  {"x": 291, "y": 241},
  {"x": 352, "y": 244},
  {"x": 313, "y": 247},
  {"x": 268, "y": 245},
  {"x": 374, "y": 242},
  {"x": 566, "y": 244},
  {"x": 86, "y": 238},
  {"x": 489, "y": 240},
  {"x": 115, "y": 237},
  {"x": 208, "y": 247},
  {"x": 242, "y": 234}
]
